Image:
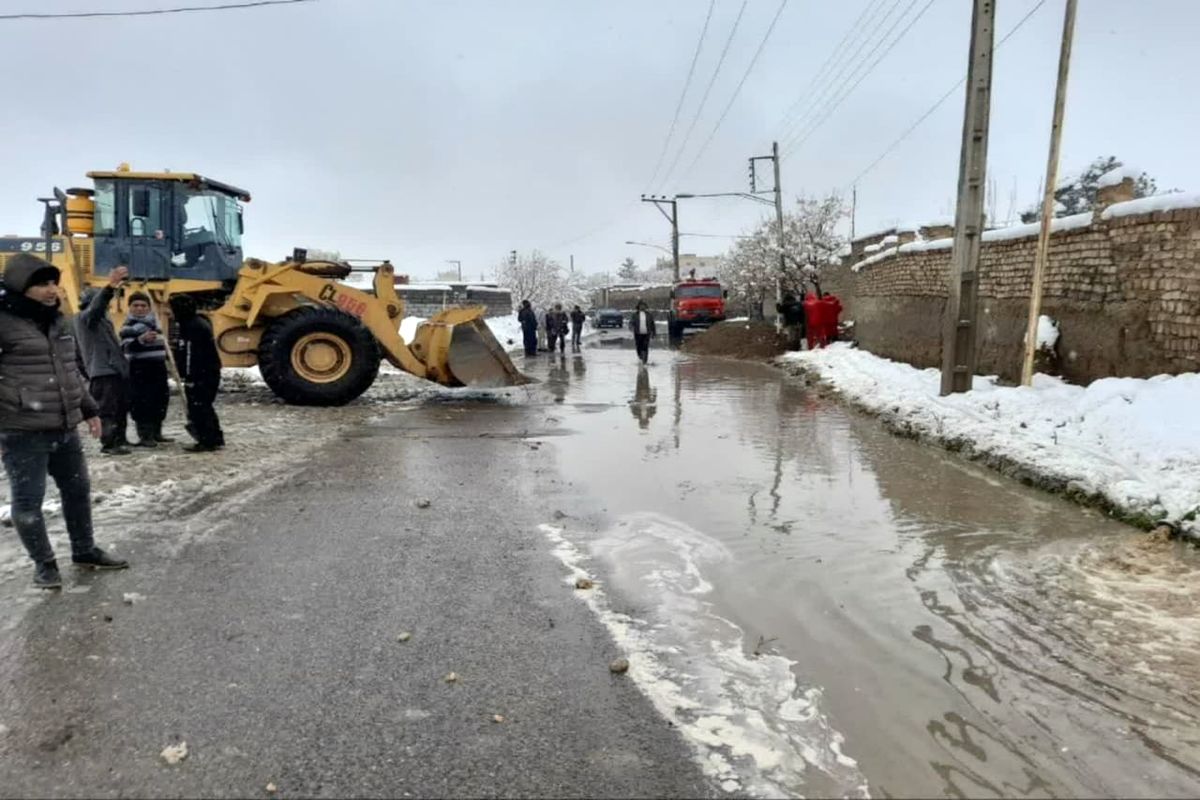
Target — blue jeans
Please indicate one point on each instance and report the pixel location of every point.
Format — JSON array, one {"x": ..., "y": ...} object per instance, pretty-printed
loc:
[{"x": 28, "y": 458}]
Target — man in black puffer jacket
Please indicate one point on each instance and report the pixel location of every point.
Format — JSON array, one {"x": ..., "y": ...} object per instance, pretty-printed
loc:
[
  {"x": 42, "y": 402},
  {"x": 200, "y": 367}
]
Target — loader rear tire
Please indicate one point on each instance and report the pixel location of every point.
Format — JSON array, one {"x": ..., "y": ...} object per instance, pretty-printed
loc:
[{"x": 318, "y": 357}]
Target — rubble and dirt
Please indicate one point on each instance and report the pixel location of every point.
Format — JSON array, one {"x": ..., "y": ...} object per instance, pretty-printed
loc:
[{"x": 742, "y": 340}]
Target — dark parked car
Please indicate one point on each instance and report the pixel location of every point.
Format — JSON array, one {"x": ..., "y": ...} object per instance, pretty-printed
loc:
[{"x": 609, "y": 318}]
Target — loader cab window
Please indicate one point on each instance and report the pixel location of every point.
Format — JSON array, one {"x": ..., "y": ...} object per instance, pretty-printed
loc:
[
  {"x": 211, "y": 217},
  {"x": 106, "y": 208},
  {"x": 145, "y": 212}
]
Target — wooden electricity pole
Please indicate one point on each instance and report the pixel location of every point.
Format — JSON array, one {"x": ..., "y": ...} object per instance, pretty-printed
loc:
[
  {"x": 959, "y": 333},
  {"x": 1043, "y": 245}
]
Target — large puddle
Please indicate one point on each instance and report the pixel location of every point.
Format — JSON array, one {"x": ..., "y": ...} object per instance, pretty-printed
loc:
[{"x": 823, "y": 608}]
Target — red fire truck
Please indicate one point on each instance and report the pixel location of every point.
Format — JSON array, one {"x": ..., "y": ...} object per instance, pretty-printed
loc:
[{"x": 696, "y": 303}]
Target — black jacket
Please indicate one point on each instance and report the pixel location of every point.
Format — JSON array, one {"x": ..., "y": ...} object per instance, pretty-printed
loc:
[
  {"x": 633, "y": 323},
  {"x": 196, "y": 353},
  {"x": 577, "y": 318},
  {"x": 41, "y": 388},
  {"x": 556, "y": 322},
  {"x": 527, "y": 318},
  {"x": 793, "y": 312}
]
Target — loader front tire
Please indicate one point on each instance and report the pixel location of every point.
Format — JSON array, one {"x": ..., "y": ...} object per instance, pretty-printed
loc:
[{"x": 318, "y": 357}]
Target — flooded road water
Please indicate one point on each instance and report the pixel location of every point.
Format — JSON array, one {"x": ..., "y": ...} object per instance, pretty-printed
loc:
[{"x": 823, "y": 608}]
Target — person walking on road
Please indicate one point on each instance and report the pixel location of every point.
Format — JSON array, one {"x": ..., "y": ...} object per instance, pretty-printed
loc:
[
  {"x": 577, "y": 319},
  {"x": 199, "y": 366},
  {"x": 104, "y": 364},
  {"x": 529, "y": 326},
  {"x": 42, "y": 402},
  {"x": 556, "y": 328},
  {"x": 641, "y": 322},
  {"x": 792, "y": 311},
  {"x": 144, "y": 343}
]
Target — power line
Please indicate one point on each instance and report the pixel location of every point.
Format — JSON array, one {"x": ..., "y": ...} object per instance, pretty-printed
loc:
[
  {"x": 707, "y": 91},
  {"x": 683, "y": 95},
  {"x": 592, "y": 232},
  {"x": 850, "y": 63},
  {"x": 942, "y": 99},
  {"x": 761, "y": 46},
  {"x": 151, "y": 11},
  {"x": 833, "y": 92},
  {"x": 828, "y": 111},
  {"x": 855, "y": 28}
]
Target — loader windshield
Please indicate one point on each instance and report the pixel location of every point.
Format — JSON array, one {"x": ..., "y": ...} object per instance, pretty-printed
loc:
[{"x": 211, "y": 217}]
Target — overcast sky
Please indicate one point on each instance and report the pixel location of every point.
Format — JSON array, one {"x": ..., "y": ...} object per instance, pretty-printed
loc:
[{"x": 426, "y": 131}]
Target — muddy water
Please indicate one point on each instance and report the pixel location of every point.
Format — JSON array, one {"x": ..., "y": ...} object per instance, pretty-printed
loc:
[{"x": 823, "y": 608}]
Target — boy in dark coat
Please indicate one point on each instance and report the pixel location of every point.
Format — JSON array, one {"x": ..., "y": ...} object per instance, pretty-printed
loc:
[
  {"x": 144, "y": 344},
  {"x": 199, "y": 366}
]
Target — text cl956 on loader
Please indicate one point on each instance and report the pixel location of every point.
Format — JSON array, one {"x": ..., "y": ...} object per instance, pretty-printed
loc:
[{"x": 316, "y": 340}]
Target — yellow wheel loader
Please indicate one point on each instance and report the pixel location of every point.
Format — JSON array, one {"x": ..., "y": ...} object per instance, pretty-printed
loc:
[{"x": 316, "y": 339}]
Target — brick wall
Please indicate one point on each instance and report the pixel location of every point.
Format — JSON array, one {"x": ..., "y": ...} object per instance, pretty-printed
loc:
[
  {"x": 1125, "y": 292},
  {"x": 425, "y": 302}
]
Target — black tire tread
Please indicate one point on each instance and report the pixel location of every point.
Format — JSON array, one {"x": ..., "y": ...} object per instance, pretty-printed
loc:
[{"x": 275, "y": 364}]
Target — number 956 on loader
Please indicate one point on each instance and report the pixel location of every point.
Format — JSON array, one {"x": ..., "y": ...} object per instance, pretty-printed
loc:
[{"x": 316, "y": 340}]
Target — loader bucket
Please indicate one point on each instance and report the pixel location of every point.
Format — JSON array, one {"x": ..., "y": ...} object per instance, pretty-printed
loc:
[{"x": 460, "y": 350}]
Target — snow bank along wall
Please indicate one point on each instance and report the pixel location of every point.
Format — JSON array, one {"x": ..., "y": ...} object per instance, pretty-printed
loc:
[{"x": 1123, "y": 283}]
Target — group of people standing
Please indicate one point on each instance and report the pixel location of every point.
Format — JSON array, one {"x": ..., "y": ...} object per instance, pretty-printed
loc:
[
  {"x": 57, "y": 373},
  {"x": 557, "y": 323},
  {"x": 126, "y": 371}
]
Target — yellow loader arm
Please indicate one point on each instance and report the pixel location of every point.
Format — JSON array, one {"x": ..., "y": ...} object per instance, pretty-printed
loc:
[{"x": 454, "y": 348}]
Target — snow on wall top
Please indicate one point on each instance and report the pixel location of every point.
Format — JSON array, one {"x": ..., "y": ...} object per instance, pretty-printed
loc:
[
  {"x": 873, "y": 248},
  {"x": 932, "y": 244},
  {"x": 1114, "y": 176},
  {"x": 891, "y": 238},
  {"x": 1057, "y": 224},
  {"x": 880, "y": 256},
  {"x": 1159, "y": 202}
]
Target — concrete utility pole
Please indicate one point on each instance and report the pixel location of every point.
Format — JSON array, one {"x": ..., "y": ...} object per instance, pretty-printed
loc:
[
  {"x": 853, "y": 209},
  {"x": 1043, "y": 245},
  {"x": 673, "y": 218},
  {"x": 779, "y": 220},
  {"x": 959, "y": 334}
]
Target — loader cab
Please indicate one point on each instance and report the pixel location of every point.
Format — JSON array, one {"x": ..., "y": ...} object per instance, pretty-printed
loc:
[{"x": 167, "y": 226}]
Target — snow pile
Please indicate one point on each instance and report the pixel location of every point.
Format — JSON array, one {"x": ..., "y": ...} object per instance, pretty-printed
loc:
[
  {"x": 1047, "y": 333},
  {"x": 1114, "y": 176},
  {"x": 507, "y": 331},
  {"x": 239, "y": 379},
  {"x": 891, "y": 238},
  {"x": 408, "y": 328},
  {"x": 1133, "y": 443},
  {"x": 1158, "y": 202}
]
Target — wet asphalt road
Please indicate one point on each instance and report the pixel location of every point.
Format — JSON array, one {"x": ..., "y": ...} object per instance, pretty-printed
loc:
[
  {"x": 271, "y": 646},
  {"x": 817, "y": 607}
]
